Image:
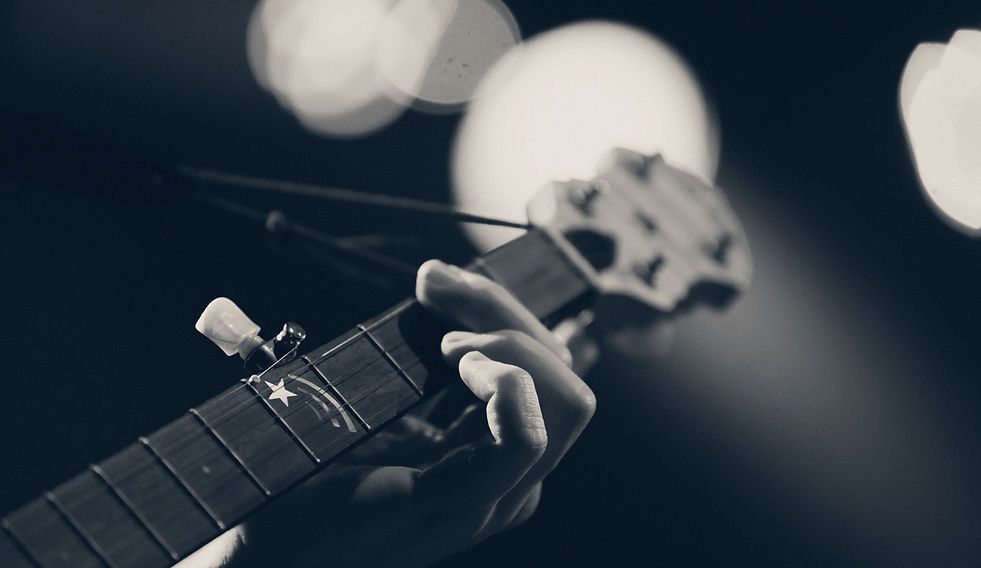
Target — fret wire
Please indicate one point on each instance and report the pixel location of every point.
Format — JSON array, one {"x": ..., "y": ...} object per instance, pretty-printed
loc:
[
  {"x": 180, "y": 481},
  {"x": 282, "y": 422},
  {"x": 479, "y": 263},
  {"x": 228, "y": 450},
  {"x": 334, "y": 390},
  {"x": 20, "y": 545},
  {"x": 78, "y": 530},
  {"x": 367, "y": 333},
  {"x": 344, "y": 404},
  {"x": 132, "y": 510}
]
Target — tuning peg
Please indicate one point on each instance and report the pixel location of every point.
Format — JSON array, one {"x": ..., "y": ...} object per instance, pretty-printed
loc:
[
  {"x": 718, "y": 249},
  {"x": 583, "y": 194},
  {"x": 289, "y": 338},
  {"x": 638, "y": 164},
  {"x": 647, "y": 271},
  {"x": 227, "y": 326}
]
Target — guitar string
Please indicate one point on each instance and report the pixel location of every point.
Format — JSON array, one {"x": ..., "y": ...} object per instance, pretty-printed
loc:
[
  {"x": 143, "y": 523},
  {"x": 237, "y": 408},
  {"x": 203, "y": 176},
  {"x": 346, "y": 404}
]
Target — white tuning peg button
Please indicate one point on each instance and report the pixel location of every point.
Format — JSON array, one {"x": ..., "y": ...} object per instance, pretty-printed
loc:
[{"x": 228, "y": 327}]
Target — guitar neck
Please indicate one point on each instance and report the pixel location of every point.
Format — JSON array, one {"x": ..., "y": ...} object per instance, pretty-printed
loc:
[{"x": 161, "y": 498}]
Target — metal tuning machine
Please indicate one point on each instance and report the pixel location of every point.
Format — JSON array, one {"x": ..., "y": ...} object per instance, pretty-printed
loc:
[{"x": 227, "y": 326}]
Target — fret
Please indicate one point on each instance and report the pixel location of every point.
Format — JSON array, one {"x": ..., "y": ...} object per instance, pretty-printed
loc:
[
  {"x": 410, "y": 337},
  {"x": 107, "y": 524},
  {"x": 206, "y": 469},
  {"x": 53, "y": 501},
  {"x": 152, "y": 492},
  {"x": 145, "y": 442},
  {"x": 95, "y": 469},
  {"x": 372, "y": 385},
  {"x": 161, "y": 499},
  {"x": 540, "y": 273},
  {"x": 49, "y": 538},
  {"x": 265, "y": 399},
  {"x": 317, "y": 415},
  {"x": 231, "y": 453},
  {"x": 265, "y": 449},
  {"x": 344, "y": 404},
  {"x": 383, "y": 353},
  {"x": 12, "y": 554}
]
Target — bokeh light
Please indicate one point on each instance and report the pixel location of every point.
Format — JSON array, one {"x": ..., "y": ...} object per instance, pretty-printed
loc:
[
  {"x": 350, "y": 67},
  {"x": 554, "y": 105},
  {"x": 437, "y": 51},
  {"x": 940, "y": 99},
  {"x": 317, "y": 58}
]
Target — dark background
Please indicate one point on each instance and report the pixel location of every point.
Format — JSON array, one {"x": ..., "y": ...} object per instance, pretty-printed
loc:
[{"x": 865, "y": 310}]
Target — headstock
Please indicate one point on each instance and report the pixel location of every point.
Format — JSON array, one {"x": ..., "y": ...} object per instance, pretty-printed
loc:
[{"x": 649, "y": 231}]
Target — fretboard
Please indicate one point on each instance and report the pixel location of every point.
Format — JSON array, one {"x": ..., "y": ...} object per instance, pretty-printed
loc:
[{"x": 164, "y": 496}]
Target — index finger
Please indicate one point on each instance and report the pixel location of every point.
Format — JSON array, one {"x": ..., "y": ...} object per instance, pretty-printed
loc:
[{"x": 480, "y": 304}]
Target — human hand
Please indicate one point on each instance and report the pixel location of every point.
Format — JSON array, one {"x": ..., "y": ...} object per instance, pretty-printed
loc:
[{"x": 416, "y": 493}]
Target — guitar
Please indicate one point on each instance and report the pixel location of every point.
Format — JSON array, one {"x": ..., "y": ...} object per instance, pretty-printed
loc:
[{"x": 653, "y": 236}]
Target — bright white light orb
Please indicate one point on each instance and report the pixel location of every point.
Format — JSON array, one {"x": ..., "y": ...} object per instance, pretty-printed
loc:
[
  {"x": 940, "y": 99},
  {"x": 438, "y": 50},
  {"x": 318, "y": 57},
  {"x": 553, "y": 106},
  {"x": 350, "y": 67}
]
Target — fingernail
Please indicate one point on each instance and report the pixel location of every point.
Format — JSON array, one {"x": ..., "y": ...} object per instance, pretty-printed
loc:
[
  {"x": 441, "y": 275},
  {"x": 474, "y": 356},
  {"x": 454, "y": 337}
]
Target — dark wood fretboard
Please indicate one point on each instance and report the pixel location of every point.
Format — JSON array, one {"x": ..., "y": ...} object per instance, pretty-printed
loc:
[{"x": 161, "y": 498}]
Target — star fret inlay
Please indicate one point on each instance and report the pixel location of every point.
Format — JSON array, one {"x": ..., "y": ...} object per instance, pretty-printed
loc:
[{"x": 279, "y": 392}]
